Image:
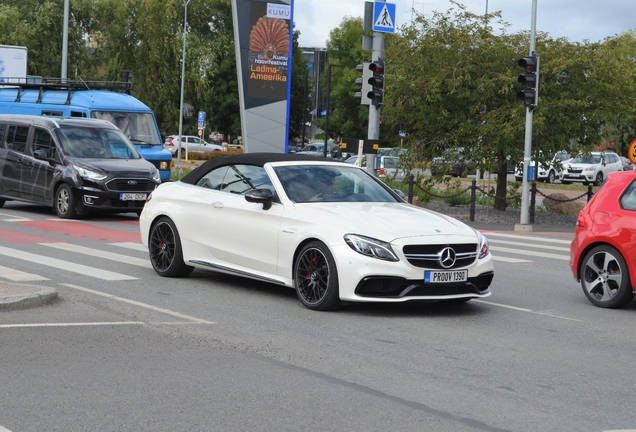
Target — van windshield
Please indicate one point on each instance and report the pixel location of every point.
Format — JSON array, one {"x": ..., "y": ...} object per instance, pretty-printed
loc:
[
  {"x": 95, "y": 143},
  {"x": 140, "y": 128}
]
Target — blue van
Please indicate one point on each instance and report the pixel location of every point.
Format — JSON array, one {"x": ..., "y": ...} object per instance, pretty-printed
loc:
[{"x": 106, "y": 101}]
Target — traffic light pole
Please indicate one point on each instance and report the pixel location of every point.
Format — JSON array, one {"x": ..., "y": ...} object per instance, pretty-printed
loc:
[
  {"x": 374, "y": 110},
  {"x": 527, "y": 147}
]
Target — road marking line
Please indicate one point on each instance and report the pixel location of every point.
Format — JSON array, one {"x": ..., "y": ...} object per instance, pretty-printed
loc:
[
  {"x": 532, "y": 245},
  {"x": 532, "y": 253},
  {"x": 4, "y": 429},
  {"x": 489, "y": 234},
  {"x": 100, "y": 254},
  {"x": 525, "y": 310},
  {"x": 64, "y": 265},
  {"x": 72, "y": 324},
  {"x": 510, "y": 260},
  {"x": 20, "y": 276},
  {"x": 131, "y": 245},
  {"x": 136, "y": 303}
]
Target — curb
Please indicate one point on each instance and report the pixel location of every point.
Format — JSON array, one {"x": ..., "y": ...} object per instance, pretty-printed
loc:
[{"x": 20, "y": 296}]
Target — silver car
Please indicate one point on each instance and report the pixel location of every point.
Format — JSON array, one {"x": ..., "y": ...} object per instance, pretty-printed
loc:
[{"x": 191, "y": 143}]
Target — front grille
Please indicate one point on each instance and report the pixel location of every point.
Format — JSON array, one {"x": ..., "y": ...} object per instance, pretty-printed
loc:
[
  {"x": 427, "y": 256},
  {"x": 131, "y": 185},
  {"x": 575, "y": 171}
]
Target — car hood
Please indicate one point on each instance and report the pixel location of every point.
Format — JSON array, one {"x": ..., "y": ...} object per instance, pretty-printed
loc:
[
  {"x": 581, "y": 165},
  {"x": 387, "y": 221},
  {"x": 117, "y": 167}
]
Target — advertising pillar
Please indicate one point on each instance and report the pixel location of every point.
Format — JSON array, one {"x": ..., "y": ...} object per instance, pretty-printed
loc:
[{"x": 263, "y": 40}]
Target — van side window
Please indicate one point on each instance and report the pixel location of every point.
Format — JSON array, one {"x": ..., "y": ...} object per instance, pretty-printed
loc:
[
  {"x": 78, "y": 114},
  {"x": 52, "y": 113},
  {"x": 2, "y": 129},
  {"x": 42, "y": 141},
  {"x": 17, "y": 138}
]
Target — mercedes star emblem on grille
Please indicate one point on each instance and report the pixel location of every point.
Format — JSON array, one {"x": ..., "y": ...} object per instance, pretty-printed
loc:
[{"x": 447, "y": 257}]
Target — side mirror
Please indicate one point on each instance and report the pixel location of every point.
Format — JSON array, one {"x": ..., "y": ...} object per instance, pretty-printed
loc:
[
  {"x": 401, "y": 194},
  {"x": 260, "y": 196},
  {"x": 41, "y": 154}
]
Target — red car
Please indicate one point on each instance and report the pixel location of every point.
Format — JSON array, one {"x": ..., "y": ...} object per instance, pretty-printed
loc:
[{"x": 603, "y": 252}]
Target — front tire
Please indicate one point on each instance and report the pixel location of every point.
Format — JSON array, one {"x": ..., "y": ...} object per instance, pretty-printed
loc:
[
  {"x": 551, "y": 177},
  {"x": 64, "y": 204},
  {"x": 605, "y": 278},
  {"x": 164, "y": 247},
  {"x": 316, "y": 278},
  {"x": 599, "y": 179}
]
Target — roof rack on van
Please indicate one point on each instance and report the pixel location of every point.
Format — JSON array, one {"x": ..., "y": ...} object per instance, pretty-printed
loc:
[{"x": 43, "y": 84}]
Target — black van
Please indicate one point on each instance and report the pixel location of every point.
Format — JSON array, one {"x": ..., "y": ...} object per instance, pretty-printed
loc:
[{"x": 74, "y": 165}]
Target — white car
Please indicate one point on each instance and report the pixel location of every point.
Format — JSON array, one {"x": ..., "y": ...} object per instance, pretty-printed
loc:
[
  {"x": 591, "y": 168},
  {"x": 191, "y": 143},
  {"x": 387, "y": 166},
  {"x": 547, "y": 173},
  {"x": 329, "y": 230}
]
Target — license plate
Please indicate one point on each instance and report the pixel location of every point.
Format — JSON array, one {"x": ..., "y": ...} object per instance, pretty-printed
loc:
[
  {"x": 445, "y": 276},
  {"x": 132, "y": 197}
]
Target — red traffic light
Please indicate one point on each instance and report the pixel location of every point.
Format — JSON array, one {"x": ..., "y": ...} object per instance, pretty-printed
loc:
[
  {"x": 529, "y": 63},
  {"x": 377, "y": 67}
]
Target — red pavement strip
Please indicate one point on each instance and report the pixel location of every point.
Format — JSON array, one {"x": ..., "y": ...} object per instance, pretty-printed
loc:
[{"x": 73, "y": 229}]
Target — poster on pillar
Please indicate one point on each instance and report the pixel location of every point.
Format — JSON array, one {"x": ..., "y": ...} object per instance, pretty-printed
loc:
[{"x": 263, "y": 41}]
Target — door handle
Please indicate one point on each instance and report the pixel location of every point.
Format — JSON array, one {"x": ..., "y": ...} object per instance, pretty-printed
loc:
[{"x": 217, "y": 204}]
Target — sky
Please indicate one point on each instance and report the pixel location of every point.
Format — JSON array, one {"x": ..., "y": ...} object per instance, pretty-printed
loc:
[{"x": 577, "y": 20}]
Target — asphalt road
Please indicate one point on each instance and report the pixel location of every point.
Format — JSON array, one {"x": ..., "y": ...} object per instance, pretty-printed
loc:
[{"x": 125, "y": 350}]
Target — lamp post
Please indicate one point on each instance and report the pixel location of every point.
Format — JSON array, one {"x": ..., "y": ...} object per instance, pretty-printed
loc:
[
  {"x": 65, "y": 41},
  {"x": 183, "y": 60}
]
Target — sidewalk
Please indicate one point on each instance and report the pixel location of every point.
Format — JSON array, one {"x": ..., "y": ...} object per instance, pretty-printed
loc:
[{"x": 15, "y": 296}]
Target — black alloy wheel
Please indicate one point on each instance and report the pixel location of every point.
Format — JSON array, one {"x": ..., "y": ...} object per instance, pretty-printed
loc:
[
  {"x": 164, "y": 247},
  {"x": 316, "y": 278},
  {"x": 605, "y": 278},
  {"x": 64, "y": 203}
]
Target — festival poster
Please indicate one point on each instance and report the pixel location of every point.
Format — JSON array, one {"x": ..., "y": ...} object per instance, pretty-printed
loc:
[{"x": 268, "y": 54}]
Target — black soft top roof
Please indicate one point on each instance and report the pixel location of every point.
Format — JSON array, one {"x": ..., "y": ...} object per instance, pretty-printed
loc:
[{"x": 257, "y": 159}]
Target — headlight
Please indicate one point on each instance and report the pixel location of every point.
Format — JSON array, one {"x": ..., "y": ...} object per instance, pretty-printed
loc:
[
  {"x": 88, "y": 174},
  {"x": 165, "y": 165},
  {"x": 484, "y": 250},
  {"x": 592, "y": 168},
  {"x": 156, "y": 176},
  {"x": 370, "y": 247}
]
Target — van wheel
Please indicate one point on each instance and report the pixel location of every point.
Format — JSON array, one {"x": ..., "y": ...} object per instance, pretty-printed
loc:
[{"x": 64, "y": 204}]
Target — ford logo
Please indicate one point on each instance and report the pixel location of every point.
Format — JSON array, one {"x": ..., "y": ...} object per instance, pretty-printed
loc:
[{"x": 132, "y": 182}]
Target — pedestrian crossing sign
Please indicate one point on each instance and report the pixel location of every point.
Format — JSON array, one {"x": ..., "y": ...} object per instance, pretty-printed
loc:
[{"x": 384, "y": 17}]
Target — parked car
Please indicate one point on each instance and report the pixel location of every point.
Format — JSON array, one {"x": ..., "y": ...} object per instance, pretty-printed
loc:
[
  {"x": 388, "y": 166},
  {"x": 74, "y": 165},
  {"x": 453, "y": 163},
  {"x": 627, "y": 164},
  {"x": 591, "y": 168},
  {"x": 191, "y": 143},
  {"x": 602, "y": 253},
  {"x": 547, "y": 172},
  {"x": 317, "y": 149},
  {"x": 329, "y": 230}
]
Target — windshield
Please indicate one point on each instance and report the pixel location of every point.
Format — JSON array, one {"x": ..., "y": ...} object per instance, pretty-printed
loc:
[
  {"x": 593, "y": 159},
  {"x": 138, "y": 127},
  {"x": 95, "y": 143},
  {"x": 309, "y": 183}
]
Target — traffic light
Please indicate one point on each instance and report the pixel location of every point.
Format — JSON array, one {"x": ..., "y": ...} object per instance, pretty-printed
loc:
[
  {"x": 364, "y": 83},
  {"x": 376, "y": 95},
  {"x": 530, "y": 80}
]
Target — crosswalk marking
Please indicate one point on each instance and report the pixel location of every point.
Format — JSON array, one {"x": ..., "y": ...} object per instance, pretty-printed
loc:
[
  {"x": 517, "y": 236},
  {"x": 100, "y": 254},
  {"x": 131, "y": 245},
  {"x": 20, "y": 276},
  {"x": 510, "y": 260},
  {"x": 532, "y": 253},
  {"x": 64, "y": 265},
  {"x": 532, "y": 245}
]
